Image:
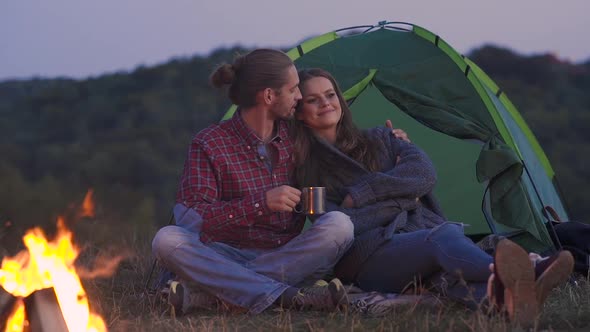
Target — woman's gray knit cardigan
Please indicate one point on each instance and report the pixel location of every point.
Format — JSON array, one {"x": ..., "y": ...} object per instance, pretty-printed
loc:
[{"x": 385, "y": 201}]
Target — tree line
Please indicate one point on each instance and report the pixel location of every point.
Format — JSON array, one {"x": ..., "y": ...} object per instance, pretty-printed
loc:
[{"x": 125, "y": 134}]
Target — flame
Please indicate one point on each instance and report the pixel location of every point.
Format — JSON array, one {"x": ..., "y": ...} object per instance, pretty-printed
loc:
[
  {"x": 88, "y": 204},
  {"x": 16, "y": 321},
  {"x": 50, "y": 264}
]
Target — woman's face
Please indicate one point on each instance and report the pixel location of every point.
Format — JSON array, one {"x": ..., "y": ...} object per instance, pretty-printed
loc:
[{"x": 320, "y": 108}]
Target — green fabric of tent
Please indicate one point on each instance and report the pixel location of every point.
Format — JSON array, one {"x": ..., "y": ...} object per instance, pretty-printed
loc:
[{"x": 493, "y": 174}]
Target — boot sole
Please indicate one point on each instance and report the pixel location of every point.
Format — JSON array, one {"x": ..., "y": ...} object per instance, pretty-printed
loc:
[
  {"x": 176, "y": 298},
  {"x": 558, "y": 272},
  {"x": 514, "y": 269}
]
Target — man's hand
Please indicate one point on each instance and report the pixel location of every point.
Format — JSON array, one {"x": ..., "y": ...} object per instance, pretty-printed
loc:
[
  {"x": 283, "y": 198},
  {"x": 399, "y": 133}
]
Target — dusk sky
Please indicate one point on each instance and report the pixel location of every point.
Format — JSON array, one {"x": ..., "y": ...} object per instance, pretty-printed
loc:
[{"x": 74, "y": 38}]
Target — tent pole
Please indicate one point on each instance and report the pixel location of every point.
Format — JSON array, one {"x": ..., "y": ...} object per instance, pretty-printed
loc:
[{"x": 557, "y": 242}]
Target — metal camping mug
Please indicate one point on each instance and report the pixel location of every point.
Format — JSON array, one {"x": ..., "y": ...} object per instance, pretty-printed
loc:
[{"x": 313, "y": 201}]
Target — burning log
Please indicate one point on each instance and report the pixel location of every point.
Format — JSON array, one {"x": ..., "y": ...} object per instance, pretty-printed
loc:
[
  {"x": 44, "y": 313},
  {"x": 40, "y": 288},
  {"x": 7, "y": 302}
]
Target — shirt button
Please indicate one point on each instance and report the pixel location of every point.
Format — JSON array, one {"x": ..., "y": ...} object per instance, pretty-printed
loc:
[
  {"x": 261, "y": 157},
  {"x": 259, "y": 213},
  {"x": 231, "y": 216},
  {"x": 256, "y": 205},
  {"x": 274, "y": 176},
  {"x": 248, "y": 147},
  {"x": 279, "y": 241}
]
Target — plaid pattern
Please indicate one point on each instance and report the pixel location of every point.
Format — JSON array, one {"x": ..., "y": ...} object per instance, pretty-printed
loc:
[{"x": 225, "y": 180}]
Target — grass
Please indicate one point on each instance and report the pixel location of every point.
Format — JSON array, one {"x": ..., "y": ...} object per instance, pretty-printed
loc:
[
  {"x": 122, "y": 302},
  {"x": 125, "y": 308}
]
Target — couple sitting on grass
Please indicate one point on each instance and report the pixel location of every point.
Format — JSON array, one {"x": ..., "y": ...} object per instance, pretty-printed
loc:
[{"x": 238, "y": 238}]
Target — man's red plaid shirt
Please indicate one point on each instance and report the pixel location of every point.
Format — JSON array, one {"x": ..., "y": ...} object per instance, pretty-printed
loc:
[{"x": 225, "y": 181}]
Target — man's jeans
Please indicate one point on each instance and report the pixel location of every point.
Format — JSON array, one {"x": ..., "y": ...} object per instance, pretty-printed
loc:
[
  {"x": 443, "y": 257},
  {"x": 251, "y": 278}
]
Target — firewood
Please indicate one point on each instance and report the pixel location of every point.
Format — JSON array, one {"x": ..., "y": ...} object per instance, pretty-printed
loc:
[
  {"x": 43, "y": 312},
  {"x": 7, "y": 302}
]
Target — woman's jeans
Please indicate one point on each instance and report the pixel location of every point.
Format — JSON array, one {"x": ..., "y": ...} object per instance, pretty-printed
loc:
[
  {"x": 442, "y": 257},
  {"x": 251, "y": 278}
]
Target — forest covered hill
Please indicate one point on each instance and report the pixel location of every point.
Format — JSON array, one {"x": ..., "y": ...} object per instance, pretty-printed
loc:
[{"x": 125, "y": 134}]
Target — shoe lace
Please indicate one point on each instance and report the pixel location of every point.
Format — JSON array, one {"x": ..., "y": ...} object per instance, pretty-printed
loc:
[{"x": 313, "y": 296}]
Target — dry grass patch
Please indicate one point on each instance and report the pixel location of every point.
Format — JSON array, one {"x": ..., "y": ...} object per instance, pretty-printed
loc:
[{"x": 125, "y": 307}]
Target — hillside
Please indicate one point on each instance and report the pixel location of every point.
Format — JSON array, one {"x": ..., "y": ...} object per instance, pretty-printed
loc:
[{"x": 126, "y": 134}]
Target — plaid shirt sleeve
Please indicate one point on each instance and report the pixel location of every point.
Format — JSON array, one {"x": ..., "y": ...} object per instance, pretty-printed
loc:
[{"x": 199, "y": 190}]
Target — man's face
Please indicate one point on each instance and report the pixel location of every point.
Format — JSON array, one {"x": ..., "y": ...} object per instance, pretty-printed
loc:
[{"x": 287, "y": 97}]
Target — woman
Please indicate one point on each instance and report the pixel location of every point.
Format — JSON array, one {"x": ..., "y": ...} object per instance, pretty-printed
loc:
[{"x": 401, "y": 236}]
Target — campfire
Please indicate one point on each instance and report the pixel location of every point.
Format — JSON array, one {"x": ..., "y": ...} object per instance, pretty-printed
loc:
[{"x": 40, "y": 289}]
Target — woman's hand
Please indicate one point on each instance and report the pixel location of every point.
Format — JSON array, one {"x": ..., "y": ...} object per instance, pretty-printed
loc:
[
  {"x": 398, "y": 133},
  {"x": 347, "y": 203}
]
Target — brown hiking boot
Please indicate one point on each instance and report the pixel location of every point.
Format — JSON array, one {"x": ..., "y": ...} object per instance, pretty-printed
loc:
[
  {"x": 515, "y": 273},
  {"x": 181, "y": 300},
  {"x": 552, "y": 272},
  {"x": 329, "y": 297}
]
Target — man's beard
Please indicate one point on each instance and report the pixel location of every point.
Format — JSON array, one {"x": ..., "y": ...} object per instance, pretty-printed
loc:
[{"x": 284, "y": 114}]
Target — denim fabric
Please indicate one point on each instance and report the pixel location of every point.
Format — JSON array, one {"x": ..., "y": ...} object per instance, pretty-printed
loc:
[
  {"x": 442, "y": 257},
  {"x": 251, "y": 278}
]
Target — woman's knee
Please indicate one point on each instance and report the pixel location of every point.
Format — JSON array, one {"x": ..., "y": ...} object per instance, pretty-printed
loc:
[
  {"x": 447, "y": 231},
  {"x": 338, "y": 227}
]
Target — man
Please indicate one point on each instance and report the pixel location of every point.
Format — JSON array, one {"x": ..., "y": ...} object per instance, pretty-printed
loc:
[{"x": 236, "y": 236}]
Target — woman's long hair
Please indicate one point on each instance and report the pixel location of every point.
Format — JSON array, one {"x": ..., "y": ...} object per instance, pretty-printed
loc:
[{"x": 349, "y": 138}]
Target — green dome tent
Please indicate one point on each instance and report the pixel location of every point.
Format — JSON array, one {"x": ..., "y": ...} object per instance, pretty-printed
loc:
[{"x": 493, "y": 174}]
